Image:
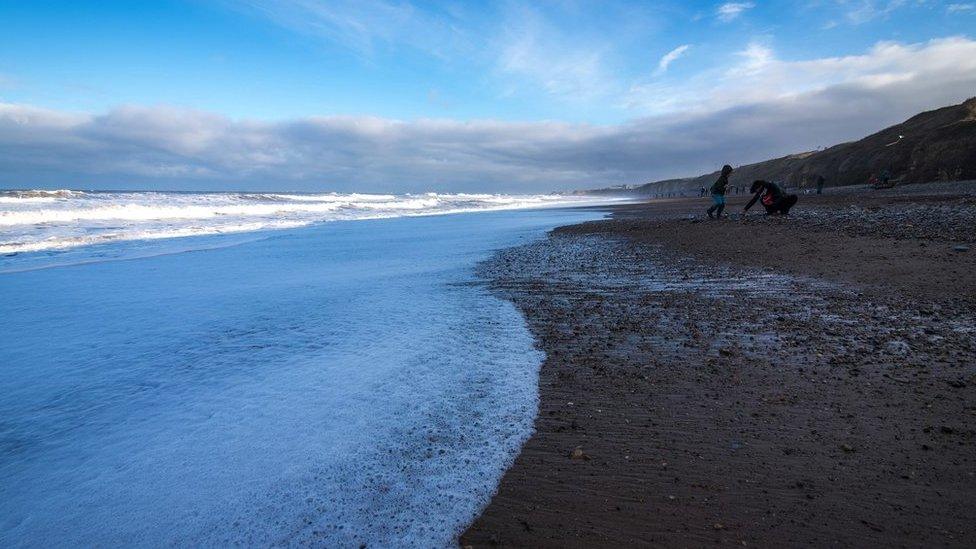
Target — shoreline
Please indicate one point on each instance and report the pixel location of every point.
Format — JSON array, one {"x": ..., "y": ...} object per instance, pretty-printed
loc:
[{"x": 808, "y": 380}]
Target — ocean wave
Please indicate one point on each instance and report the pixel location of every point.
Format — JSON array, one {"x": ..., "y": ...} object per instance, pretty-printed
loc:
[
  {"x": 41, "y": 193},
  {"x": 39, "y": 220},
  {"x": 35, "y": 196}
]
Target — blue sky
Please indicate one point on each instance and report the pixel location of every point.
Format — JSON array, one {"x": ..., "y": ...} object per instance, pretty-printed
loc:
[{"x": 555, "y": 75}]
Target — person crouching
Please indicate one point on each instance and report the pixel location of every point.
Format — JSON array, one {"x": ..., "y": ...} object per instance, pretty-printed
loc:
[
  {"x": 772, "y": 196},
  {"x": 718, "y": 193}
]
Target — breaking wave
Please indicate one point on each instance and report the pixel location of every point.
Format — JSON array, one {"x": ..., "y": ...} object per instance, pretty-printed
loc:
[{"x": 38, "y": 220}]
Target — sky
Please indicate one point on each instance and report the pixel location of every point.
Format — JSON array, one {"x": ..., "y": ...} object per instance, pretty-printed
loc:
[{"x": 508, "y": 96}]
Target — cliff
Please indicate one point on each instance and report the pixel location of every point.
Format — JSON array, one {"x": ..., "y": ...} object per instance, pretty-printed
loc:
[{"x": 935, "y": 145}]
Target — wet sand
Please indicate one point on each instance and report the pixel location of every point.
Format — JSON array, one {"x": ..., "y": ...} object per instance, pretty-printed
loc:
[{"x": 799, "y": 381}]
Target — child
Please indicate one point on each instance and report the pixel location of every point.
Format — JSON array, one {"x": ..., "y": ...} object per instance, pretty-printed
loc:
[
  {"x": 774, "y": 199},
  {"x": 718, "y": 193}
]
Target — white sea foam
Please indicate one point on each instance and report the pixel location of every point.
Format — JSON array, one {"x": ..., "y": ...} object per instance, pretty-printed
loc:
[{"x": 37, "y": 220}]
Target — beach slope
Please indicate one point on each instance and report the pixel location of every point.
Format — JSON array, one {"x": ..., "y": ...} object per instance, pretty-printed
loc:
[{"x": 766, "y": 381}]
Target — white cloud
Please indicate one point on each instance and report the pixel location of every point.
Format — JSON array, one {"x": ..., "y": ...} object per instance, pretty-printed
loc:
[
  {"x": 760, "y": 76},
  {"x": 518, "y": 44},
  {"x": 755, "y": 58},
  {"x": 366, "y": 26},
  {"x": 861, "y": 11},
  {"x": 732, "y": 10},
  {"x": 960, "y": 8},
  {"x": 536, "y": 53},
  {"x": 671, "y": 57},
  {"x": 761, "y": 107}
]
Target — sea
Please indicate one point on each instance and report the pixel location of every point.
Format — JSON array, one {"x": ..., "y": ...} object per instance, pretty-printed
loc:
[{"x": 214, "y": 369}]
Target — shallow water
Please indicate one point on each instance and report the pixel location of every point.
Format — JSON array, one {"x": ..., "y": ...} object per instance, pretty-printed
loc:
[{"x": 339, "y": 384}]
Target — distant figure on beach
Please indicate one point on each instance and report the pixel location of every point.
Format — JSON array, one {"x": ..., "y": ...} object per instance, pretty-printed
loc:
[
  {"x": 881, "y": 182},
  {"x": 701, "y": 193},
  {"x": 820, "y": 184},
  {"x": 718, "y": 193},
  {"x": 773, "y": 198}
]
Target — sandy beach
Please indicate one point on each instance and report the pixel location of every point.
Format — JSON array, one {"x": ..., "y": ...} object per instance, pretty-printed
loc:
[{"x": 760, "y": 382}]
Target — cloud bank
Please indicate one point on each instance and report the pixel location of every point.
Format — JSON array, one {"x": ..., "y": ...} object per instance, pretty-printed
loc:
[{"x": 762, "y": 107}]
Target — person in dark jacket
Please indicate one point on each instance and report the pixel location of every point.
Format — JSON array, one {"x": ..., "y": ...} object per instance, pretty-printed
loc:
[
  {"x": 772, "y": 196},
  {"x": 718, "y": 193},
  {"x": 820, "y": 184}
]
